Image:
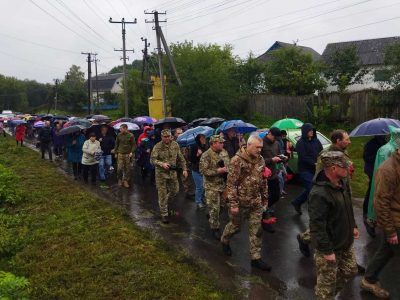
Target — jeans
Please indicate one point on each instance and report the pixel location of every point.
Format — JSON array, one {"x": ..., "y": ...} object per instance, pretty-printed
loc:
[
  {"x": 307, "y": 178},
  {"x": 385, "y": 252},
  {"x": 198, "y": 181},
  {"x": 105, "y": 163}
]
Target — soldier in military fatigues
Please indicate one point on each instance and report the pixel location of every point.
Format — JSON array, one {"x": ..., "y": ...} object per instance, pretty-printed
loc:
[
  {"x": 214, "y": 165},
  {"x": 332, "y": 226},
  {"x": 167, "y": 158},
  {"x": 247, "y": 194},
  {"x": 125, "y": 146}
]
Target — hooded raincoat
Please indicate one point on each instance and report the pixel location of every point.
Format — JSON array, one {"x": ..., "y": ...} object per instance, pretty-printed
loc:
[{"x": 383, "y": 154}]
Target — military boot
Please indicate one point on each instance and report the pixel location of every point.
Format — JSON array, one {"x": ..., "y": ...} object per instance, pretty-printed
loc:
[
  {"x": 226, "y": 248},
  {"x": 374, "y": 288}
]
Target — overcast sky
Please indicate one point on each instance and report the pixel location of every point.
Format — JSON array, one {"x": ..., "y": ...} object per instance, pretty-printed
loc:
[{"x": 41, "y": 39}]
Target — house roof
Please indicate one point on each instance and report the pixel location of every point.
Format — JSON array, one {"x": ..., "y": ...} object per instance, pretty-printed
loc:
[
  {"x": 370, "y": 52},
  {"x": 106, "y": 81},
  {"x": 267, "y": 56}
]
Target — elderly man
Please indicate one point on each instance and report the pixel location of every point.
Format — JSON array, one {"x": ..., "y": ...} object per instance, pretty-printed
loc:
[
  {"x": 247, "y": 196},
  {"x": 214, "y": 165},
  {"x": 332, "y": 225},
  {"x": 167, "y": 159},
  {"x": 387, "y": 210}
]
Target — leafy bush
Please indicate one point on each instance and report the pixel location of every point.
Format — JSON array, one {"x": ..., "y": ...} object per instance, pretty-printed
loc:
[
  {"x": 8, "y": 187},
  {"x": 13, "y": 287}
]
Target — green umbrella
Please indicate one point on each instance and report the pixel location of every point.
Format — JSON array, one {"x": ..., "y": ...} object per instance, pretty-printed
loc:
[{"x": 288, "y": 124}]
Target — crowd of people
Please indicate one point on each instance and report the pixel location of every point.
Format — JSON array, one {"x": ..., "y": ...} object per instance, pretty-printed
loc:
[{"x": 246, "y": 178}]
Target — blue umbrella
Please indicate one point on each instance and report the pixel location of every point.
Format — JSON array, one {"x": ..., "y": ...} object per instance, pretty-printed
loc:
[
  {"x": 238, "y": 125},
  {"x": 188, "y": 137},
  {"x": 373, "y": 127},
  {"x": 17, "y": 122}
]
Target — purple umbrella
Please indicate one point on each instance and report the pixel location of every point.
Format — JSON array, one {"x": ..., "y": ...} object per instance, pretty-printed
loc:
[{"x": 144, "y": 120}]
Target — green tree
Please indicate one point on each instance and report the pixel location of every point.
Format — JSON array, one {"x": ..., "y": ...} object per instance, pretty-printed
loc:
[
  {"x": 72, "y": 91},
  {"x": 12, "y": 94},
  {"x": 344, "y": 68},
  {"x": 136, "y": 95},
  {"x": 136, "y": 64},
  {"x": 209, "y": 87},
  {"x": 250, "y": 72},
  {"x": 293, "y": 72}
]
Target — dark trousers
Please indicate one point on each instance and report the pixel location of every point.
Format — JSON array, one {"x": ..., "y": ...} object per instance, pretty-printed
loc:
[
  {"x": 46, "y": 147},
  {"x": 274, "y": 192},
  {"x": 93, "y": 172},
  {"x": 76, "y": 169},
  {"x": 57, "y": 150},
  {"x": 381, "y": 258},
  {"x": 306, "y": 178},
  {"x": 366, "y": 198}
]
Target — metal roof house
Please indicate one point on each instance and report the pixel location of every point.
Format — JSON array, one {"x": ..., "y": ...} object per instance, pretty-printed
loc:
[
  {"x": 371, "y": 54},
  {"x": 111, "y": 83},
  {"x": 267, "y": 56}
]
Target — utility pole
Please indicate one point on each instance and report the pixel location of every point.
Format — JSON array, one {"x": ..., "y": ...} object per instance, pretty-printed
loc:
[
  {"x": 145, "y": 61},
  {"x": 123, "y": 22},
  {"x": 97, "y": 82},
  {"x": 89, "y": 60},
  {"x": 56, "y": 94},
  {"x": 161, "y": 39}
]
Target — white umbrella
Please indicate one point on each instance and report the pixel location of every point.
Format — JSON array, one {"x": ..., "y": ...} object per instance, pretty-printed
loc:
[{"x": 131, "y": 126}]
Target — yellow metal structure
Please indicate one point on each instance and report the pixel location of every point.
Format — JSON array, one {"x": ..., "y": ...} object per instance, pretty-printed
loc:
[{"x": 156, "y": 102}]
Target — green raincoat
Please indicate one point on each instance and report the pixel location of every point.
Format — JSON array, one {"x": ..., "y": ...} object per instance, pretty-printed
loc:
[{"x": 383, "y": 154}]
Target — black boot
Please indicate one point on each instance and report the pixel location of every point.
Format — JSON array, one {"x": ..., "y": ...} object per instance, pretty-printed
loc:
[
  {"x": 164, "y": 219},
  {"x": 216, "y": 234},
  {"x": 303, "y": 247},
  {"x": 360, "y": 269},
  {"x": 260, "y": 264},
  {"x": 297, "y": 208},
  {"x": 226, "y": 248}
]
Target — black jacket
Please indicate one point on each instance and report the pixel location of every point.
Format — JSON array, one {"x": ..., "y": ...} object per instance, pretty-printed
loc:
[
  {"x": 331, "y": 215},
  {"x": 231, "y": 146},
  {"x": 45, "y": 135},
  {"x": 308, "y": 150},
  {"x": 107, "y": 143},
  {"x": 369, "y": 155},
  {"x": 193, "y": 158},
  {"x": 270, "y": 149}
]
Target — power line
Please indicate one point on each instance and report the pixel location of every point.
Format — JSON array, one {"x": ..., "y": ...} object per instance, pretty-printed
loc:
[{"x": 66, "y": 26}]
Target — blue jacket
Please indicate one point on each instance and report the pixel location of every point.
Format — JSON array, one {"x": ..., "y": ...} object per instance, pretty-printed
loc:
[
  {"x": 74, "y": 151},
  {"x": 308, "y": 150}
]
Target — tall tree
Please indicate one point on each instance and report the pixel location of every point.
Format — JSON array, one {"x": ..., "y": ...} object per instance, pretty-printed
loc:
[
  {"x": 293, "y": 72},
  {"x": 136, "y": 93},
  {"x": 72, "y": 91}
]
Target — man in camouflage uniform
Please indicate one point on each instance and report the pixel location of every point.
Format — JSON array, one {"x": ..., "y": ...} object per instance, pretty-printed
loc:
[
  {"x": 247, "y": 196},
  {"x": 125, "y": 146},
  {"x": 332, "y": 226},
  {"x": 167, "y": 159},
  {"x": 214, "y": 165}
]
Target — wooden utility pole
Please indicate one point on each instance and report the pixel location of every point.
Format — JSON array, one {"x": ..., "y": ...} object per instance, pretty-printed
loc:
[
  {"x": 89, "y": 61},
  {"x": 97, "y": 82},
  {"x": 161, "y": 39},
  {"x": 123, "y": 22}
]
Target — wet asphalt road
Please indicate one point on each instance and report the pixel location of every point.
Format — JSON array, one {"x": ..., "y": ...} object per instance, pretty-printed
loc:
[{"x": 292, "y": 275}]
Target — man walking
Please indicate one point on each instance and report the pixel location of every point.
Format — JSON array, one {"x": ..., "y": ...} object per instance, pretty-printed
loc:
[
  {"x": 387, "y": 211},
  {"x": 107, "y": 143},
  {"x": 231, "y": 144},
  {"x": 247, "y": 195},
  {"x": 167, "y": 159},
  {"x": 125, "y": 146},
  {"x": 332, "y": 225},
  {"x": 307, "y": 148},
  {"x": 45, "y": 140},
  {"x": 214, "y": 165}
]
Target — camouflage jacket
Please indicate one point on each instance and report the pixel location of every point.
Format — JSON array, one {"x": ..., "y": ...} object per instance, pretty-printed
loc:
[
  {"x": 209, "y": 163},
  {"x": 246, "y": 185},
  {"x": 170, "y": 154}
]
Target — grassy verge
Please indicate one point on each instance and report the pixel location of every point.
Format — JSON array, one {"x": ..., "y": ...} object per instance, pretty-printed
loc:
[
  {"x": 359, "y": 183},
  {"x": 74, "y": 245}
]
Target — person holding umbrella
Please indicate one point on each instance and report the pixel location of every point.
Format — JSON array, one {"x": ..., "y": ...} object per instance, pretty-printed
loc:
[
  {"x": 89, "y": 161},
  {"x": 74, "y": 152},
  {"x": 125, "y": 146},
  {"x": 167, "y": 159},
  {"x": 107, "y": 143},
  {"x": 231, "y": 144},
  {"x": 58, "y": 141},
  {"x": 20, "y": 133},
  {"x": 45, "y": 139}
]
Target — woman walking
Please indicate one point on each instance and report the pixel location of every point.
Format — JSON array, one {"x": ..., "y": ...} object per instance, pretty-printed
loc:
[
  {"x": 196, "y": 151},
  {"x": 20, "y": 134},
  {"x": 89, "y": 161},
  {"x": 74, "y": 153}
]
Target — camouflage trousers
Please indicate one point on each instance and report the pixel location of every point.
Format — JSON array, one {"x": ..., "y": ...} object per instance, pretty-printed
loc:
[
  {"x": 167, "y": 189},
  {"x": 187, "y": 183},
  {"x": 332, "y": 276},
  {"x": 213, "y": 200},
  {"x": 124, "y": 165},
  {"x": 306, "y": 236},
  {"x": 253, "y": 214}
]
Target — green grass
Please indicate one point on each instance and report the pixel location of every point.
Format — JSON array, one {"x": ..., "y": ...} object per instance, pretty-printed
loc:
[
  {"x": 77, "y": 246},
  {"x": 359, "y": 182}
]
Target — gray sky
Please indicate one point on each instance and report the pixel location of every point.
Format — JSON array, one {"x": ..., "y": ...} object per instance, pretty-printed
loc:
[{"x": 41, "y": 39}]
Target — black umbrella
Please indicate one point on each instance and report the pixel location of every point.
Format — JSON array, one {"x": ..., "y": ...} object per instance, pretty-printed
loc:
[
  {"x": 101, "y": 118},
  {"x": 212, "y": 122},
  {"x": 71, "y": 129},
  {"x": 196, "y": 122},
  {"x": 171, "y": 122},
  {"x": 97, "y": 130},
  {"x": 47, "y": 117}
]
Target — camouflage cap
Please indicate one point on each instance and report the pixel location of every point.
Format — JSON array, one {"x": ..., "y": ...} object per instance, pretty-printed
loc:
[
  {"x": 166, "y": 132},
  {"x": 334, "y": 158},
  {"x": 216, "y": 138}
]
